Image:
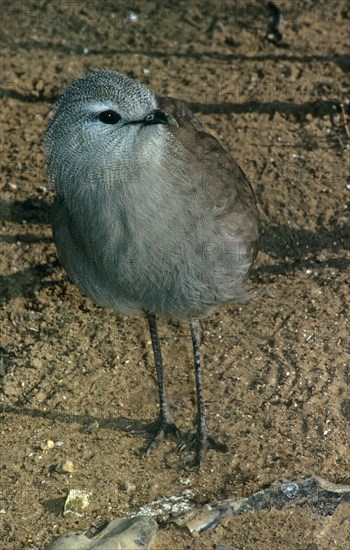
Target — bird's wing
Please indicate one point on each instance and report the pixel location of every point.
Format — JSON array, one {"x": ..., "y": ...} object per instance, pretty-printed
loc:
[
  {"x": 180, "y": 111},
  {"x": 230, "y": 198}
]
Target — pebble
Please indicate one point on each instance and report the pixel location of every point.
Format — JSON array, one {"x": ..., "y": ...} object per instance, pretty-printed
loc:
[
  {"x": 40, "y": 396},
  {"x": 132, "y": 17},
  {"x": 11, "y": 389},
  {"x": 76, "y": 501},
  {"x": 128, "y": 487},
  {"x": 36, "y": 363},
  {"x": 66, "y": 467},
  {"x": 49, "y": 444}
]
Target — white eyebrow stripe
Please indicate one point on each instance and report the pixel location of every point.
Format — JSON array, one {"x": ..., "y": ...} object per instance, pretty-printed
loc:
[{"x": 100, "y": 106}]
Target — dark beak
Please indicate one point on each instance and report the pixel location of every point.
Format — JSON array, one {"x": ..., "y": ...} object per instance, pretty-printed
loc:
[{"x": 159, "y": 117}]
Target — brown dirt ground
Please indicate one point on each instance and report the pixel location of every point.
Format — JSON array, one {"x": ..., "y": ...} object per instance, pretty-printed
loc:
[{"x": 276, "y": 375}]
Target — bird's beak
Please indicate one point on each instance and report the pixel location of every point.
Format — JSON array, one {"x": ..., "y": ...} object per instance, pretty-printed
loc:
[{"x": 159, "y": 117}]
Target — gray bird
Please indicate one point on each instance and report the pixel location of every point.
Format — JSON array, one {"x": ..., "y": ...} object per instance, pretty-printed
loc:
[{"x": 150, "y": 214}]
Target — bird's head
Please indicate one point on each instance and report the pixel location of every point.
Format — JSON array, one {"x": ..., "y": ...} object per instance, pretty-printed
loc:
[{"x": 102, "y": 120}]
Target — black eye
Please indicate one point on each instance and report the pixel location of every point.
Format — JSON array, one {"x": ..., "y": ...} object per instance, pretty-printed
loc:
[{"x": 109, "y": 117}]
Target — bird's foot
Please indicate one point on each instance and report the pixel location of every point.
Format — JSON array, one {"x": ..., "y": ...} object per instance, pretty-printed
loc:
[
  {"x": 159, "y": 429},
  {"x": 202, "y": 441}
]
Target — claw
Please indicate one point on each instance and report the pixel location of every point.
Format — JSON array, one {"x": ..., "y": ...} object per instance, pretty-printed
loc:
[
  {"x": 202, "y": 441},
  {"x": 159, "y": 429},
  {"x": 205, "y": 442}
]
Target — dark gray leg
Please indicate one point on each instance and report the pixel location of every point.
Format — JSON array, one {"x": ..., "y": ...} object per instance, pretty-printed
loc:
[
  {"x": 164, "y": 425},
  {"x": 204, "y": 440}
]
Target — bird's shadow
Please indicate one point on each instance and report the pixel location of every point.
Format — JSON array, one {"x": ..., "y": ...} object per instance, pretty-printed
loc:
[
  {"x": 318, "y": 108},
  {"x": 132, "y": 426}
]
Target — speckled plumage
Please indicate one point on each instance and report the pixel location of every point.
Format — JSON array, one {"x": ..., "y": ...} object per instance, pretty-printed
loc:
[
  {"x": 156, "y": 218},
  {"x": 151, "y": 214}
]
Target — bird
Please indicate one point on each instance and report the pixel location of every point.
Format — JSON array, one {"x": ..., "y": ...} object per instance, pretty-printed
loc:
[{"x": 151, "y": 216}]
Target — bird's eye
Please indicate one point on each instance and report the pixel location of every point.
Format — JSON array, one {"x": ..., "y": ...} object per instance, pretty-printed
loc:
[{"x": 109, "y": 117}]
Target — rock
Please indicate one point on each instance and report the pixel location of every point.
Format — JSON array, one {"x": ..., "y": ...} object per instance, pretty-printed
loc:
[
  {"x": 66, "y": 467},
  {"x": 36, "y": 363},
  {"x": 49, "y": 444},
  {"x": 11, "y": 389},
  {"x": 76, "y": 502},
  {"x": 120, "y": 534},
  {"x": 128, "y": 487}
]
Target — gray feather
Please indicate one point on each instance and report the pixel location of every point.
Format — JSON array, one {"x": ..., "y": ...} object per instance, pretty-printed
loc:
[{"x": 147, "y": 217}]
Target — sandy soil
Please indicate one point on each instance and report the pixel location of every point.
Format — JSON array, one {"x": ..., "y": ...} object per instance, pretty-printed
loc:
[{"x": 276, "y": 375}]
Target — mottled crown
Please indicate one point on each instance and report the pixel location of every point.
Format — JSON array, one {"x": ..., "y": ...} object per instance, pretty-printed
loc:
[
  {"x": 108, "y": 86},
  {"x": 128, "y": 97}
]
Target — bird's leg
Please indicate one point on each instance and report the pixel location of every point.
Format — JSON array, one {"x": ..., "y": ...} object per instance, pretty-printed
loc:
[
  {"x": 204, "y": 440},
  {"x": 164, "y": 424}
]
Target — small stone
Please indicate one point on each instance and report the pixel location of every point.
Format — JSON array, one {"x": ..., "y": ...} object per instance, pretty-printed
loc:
[
  {"x": 76, "y": 502},
  {"x": 66, "y": 467},
  {"x": 36, "y": 363},
  {"x": 49, "y": 444},
  {"x": 40, "y": 396},
  {"x": 128, "y": 487},
  {"x": 132, "y": 17},
  {"x": 40, "y": 85},
  {"x": 11, "y": 389}
]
